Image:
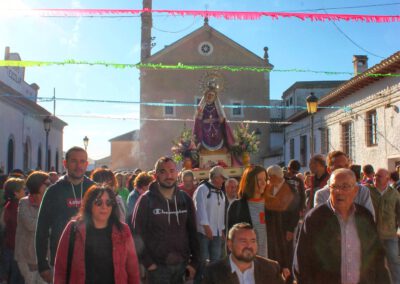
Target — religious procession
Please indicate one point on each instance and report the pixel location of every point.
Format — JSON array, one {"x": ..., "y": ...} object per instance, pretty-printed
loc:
[
  {"x": 336, "y": 223},
  {"x": 253, "y": 142}
]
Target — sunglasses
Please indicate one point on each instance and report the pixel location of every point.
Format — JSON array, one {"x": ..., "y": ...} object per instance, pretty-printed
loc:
[{"x": 99, "y": 202}]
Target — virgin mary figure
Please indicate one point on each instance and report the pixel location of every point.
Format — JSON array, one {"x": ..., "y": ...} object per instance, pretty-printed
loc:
[{"x": 210, "y": 127}]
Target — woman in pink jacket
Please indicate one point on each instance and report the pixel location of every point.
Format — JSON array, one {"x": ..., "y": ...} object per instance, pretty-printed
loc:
[{"x": 103, "y": 250}]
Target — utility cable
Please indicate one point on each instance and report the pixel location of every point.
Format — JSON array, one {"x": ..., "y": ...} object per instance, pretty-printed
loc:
[{"x": 352, "y": 41}]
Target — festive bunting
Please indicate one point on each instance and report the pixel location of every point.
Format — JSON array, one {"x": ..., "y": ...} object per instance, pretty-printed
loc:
[
  {"x": 179, "y": 66},
  {"x": 228, "y": 15}
]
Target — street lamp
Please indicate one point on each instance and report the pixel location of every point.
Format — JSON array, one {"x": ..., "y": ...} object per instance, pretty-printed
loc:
[
  {"x": 47, "y": 125},
  {"x": 312, "y": 107},
  {"x": 85, "y": 142}
]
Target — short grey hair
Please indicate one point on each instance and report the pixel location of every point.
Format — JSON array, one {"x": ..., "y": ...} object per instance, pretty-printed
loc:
[
  {"x": 231, "y": 180},
  {"x": 187, "y": 173},
  {"x": 342, "y": 171},
  {"x": 275, "y": 170},
  {"x": 216, "y": 171}
]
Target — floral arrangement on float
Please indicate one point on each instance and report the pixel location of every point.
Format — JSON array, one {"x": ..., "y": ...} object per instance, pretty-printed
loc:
[
  {"x": 184, "y": 149},
  {"x": 246, "y": 143}
]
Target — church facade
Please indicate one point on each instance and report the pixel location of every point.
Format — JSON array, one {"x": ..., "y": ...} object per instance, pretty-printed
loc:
[{"x": 180, "y": 91}]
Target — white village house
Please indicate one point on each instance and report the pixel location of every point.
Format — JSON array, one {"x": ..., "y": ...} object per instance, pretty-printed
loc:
[
  {"x": 295, "y": 95},
  {"x": 361, "y": 117}
]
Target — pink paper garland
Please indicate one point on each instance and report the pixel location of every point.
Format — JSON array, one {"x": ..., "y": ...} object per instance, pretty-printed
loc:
[{"x": 228, "y": 15}]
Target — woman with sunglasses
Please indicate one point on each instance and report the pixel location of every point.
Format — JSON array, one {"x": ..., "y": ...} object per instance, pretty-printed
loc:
[
  {"x": 103, "y": 250},
  {"x": 28, "y": 209},
  {"x": 106, "y": 176}
]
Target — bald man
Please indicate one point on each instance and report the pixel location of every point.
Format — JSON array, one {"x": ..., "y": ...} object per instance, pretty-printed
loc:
[
  {"x": 386, "y": 201},
  {"x": 339, "y": 160},
  {"x": 338, "y": 240}
]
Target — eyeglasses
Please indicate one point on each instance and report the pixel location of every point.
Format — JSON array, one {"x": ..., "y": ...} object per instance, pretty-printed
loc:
[
  {"x": 99, "y": 202},
  {"x": 344, "y": 187}
]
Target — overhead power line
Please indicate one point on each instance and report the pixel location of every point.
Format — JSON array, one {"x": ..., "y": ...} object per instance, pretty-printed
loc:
[
  {"x": 353, "y": 42},
  {"x": 356, "y": 44},
  {"x": 346, "y": 7}
]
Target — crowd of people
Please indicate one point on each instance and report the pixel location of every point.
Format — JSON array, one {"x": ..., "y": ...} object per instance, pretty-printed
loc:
[{"x": 336, "y": 223}]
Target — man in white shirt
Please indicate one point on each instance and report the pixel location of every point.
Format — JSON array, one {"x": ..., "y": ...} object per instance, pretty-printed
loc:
[
  {"x": 209, "y": 201},
  {"x": 243, "y": 266}
]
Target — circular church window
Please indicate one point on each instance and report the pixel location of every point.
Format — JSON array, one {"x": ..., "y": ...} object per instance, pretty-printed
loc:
[{"x": 205, "y": 48}]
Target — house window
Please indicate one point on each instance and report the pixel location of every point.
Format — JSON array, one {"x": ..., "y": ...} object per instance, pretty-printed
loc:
[
  {"x": 27, "y": 154},
  {"x": 291, "y": 101},
  {"x": 303, "y": 150},
  {"x": 348, "y": 143},
  {"x": 169, "y": 110},
  {"x": 325, "y": 140},
  {"x": 371, "y": 128},
  {"x": 57, "y": 161},
  {"x": 237, "y": 111},
  {"x": 10, "y": 155},
  {"x": 39, "y": 158},
  {"x": 292, "y": 149},
  {"x": 48, "y": 160}
]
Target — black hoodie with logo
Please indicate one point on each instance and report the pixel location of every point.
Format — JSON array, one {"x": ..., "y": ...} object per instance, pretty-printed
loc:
[
  {"x": 60, "y": 203},
  {"x": 165, "y": 229}
]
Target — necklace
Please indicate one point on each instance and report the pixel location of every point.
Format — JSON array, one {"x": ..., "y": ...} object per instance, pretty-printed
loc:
[{"x": 73, "y": 191}]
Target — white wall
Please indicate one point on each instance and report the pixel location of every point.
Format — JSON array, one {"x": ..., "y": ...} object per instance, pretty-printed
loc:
[{"x": 20, "y": 126}]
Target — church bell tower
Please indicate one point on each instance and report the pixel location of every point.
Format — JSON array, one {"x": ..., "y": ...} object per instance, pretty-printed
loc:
[{"x": 146, "y": 31}]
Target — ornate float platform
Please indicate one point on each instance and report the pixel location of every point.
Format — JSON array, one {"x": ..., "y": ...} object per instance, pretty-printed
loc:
[{"x": 202, "y": 174}]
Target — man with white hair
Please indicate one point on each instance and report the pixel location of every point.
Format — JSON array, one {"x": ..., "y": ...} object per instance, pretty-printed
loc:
[
  {"x": 338, "y": 240},
  {"x": 339, "y": 160},
  {"x": 231, "y": 188},
  {"x": 282, "y": 202}
]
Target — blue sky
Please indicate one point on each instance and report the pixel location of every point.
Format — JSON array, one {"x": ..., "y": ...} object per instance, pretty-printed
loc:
[{"x": 292, "y": 44}]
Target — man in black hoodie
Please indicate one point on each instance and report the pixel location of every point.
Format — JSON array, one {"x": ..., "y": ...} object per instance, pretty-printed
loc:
[
  {"x": 164, "y": 226},
  {"x": 60, "y": 202}
]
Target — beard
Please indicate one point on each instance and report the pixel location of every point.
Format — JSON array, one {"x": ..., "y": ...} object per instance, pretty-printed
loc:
[
  {"x": 75, "y": 176},
  {"x": 167, "y": 185},
  {"x": 247, "y": 255}
]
